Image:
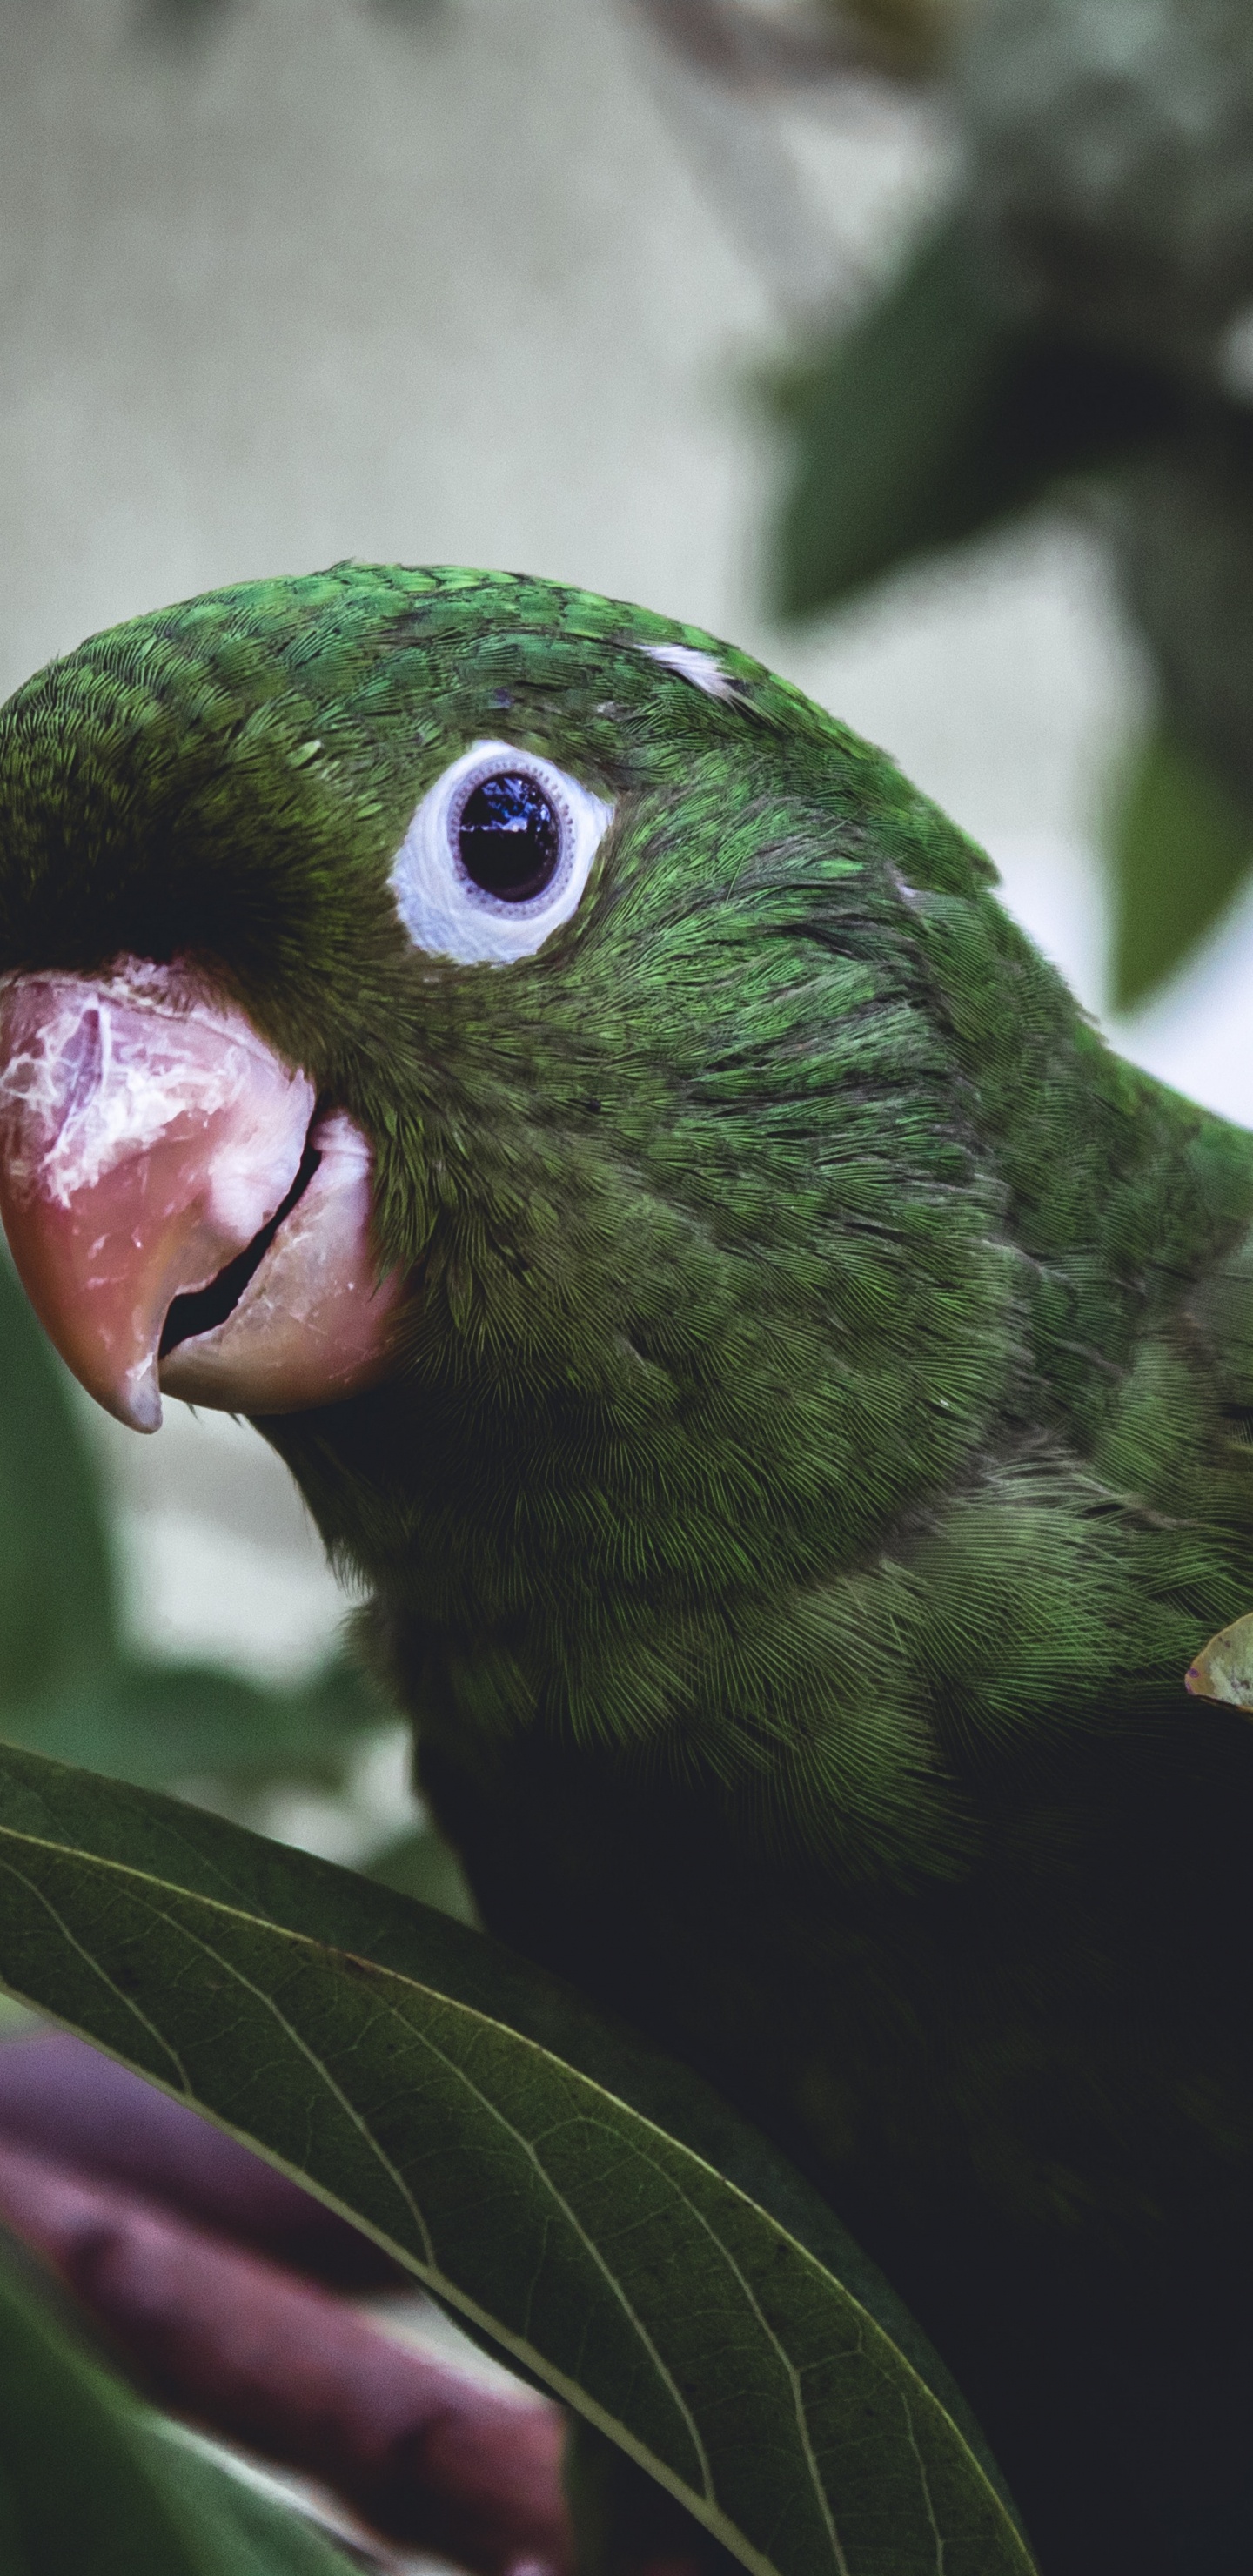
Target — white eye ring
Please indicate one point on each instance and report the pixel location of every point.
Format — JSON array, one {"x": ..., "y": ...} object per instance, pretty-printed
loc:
[{"x": 441, "y": 906}]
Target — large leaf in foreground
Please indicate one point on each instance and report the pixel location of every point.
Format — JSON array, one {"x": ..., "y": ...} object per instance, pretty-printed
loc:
[
  {"x": 609, "y": 2259},
  {"x": 92, "y": 2482}
]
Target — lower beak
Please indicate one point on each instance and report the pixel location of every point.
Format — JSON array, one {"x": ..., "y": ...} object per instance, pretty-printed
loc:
[{"x": 178, "y": 1215}]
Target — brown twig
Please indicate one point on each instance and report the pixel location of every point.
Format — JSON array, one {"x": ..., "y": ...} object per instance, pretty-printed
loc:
[
  {"x": 424, "y": 2453},
  {"x": 68, "y": 2101},
  {"x": 748, "y": 50}
]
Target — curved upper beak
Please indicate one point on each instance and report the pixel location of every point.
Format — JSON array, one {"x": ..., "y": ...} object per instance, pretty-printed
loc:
[{"x": 178, "y": 1215}]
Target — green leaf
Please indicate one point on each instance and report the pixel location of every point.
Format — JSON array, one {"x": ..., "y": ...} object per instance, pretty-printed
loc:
[
  {"x": 159, "y": 1723},
  {"x": 1180, "y": 848},
  {"x": 94, "y": 2484},
  {"x": 66, "y": 1686},
  {"x": 936, "y": 416},
  {"x": 57, "y": 1615},
  {"x": 206, "y": 1855},
  {"x": 422, "y": 1864},
  {"x": 616, "y": 2264},
  {"x": 237, "y": 2531},
  {"x": 1223, "y": 1670}
]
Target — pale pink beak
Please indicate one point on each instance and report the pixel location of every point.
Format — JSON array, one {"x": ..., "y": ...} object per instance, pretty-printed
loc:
[{"x": 179, "y": 1218}]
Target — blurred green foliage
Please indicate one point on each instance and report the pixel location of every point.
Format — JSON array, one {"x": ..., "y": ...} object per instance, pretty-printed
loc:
[
  {"x": 73, "y": 1688},
  {"x": 92, "y": 2482},
  {"x": 1063, "y": 329},
  {"x": 1180, "y": 847},
  {"x": 70, "y": 1685},
  {"x": 420, "y": 1864},
  {"x": 938, "y": 416}
]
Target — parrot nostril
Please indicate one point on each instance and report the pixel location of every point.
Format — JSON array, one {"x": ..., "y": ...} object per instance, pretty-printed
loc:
[{"x": 200, "y": 1309}]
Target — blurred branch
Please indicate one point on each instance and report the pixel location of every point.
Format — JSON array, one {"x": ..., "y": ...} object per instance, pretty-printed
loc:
[
  {"x": 727, "y": 123},
  {"x": 735, "y": 77},
  {"x": 186, "y": 24},
  {"x": 63, "y": 2100},
  {"x": 421, "y": 2451},
  {"x": 175, "y": 24},
  {"x": 741, "y": 45},
  {"x": 747, "y": 47}
]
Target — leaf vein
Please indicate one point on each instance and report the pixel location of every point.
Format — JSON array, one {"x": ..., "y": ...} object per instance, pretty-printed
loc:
[
  {"x": 794, "y": 2382},
  {"x": 33, "y": 1889},
  {"x": 926, "y": 2485},
  {"x": 323, "y": 2071},
  {"x": 665, "y": 2375}
]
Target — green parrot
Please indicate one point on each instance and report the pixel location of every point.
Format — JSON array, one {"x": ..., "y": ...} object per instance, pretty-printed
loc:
[{"x": 786, "y": 1386}]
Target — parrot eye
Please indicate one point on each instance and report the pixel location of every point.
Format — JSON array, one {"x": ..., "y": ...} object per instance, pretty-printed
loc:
[
  {"x": 496, "y": 856},
  {"x": 509, "y": 837}
]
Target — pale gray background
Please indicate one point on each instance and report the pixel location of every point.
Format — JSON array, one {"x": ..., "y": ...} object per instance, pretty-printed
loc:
[{"x": 492, "y": 285}]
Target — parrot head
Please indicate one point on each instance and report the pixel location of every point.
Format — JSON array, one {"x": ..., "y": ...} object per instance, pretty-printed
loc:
[{"x": 389, "y": 956}]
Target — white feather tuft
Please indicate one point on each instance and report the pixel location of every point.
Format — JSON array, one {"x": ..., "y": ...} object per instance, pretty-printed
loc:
[{"x": 692, "y": 662}]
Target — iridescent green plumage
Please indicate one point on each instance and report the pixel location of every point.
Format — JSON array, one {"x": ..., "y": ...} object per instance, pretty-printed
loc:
[{"x": 822, "y": 1442}]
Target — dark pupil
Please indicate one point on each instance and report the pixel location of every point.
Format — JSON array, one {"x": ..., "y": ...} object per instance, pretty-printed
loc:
[{"x": 509, "y": 838}]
